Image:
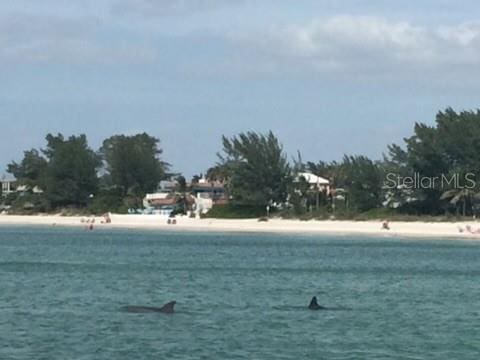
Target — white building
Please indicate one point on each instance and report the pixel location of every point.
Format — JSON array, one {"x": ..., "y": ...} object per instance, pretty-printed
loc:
[
  {"x": 315, "y": 182},
  {"x": 9, "y": 184},
  {"x": 161, "y": 203}
]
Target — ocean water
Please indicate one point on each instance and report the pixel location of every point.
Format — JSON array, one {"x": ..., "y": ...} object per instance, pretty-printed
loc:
[{"x": 239, "y": 296}]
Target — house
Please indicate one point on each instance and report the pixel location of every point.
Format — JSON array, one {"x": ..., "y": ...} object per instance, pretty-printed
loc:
[
  {"x": 167, "y": 185},
  {"x": 9, "y": 184},
  {"x": 161, "y": 203},
  {"x": 316, "y": 182},
  {"x": 214, "y": 190},
  {"x": 208, "y": 193}
]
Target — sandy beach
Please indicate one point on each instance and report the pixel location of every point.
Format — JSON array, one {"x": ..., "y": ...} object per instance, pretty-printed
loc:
[{"x": 411, "y": 229}]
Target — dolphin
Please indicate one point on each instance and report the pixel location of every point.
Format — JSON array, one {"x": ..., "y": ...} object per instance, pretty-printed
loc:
[
  {"x": 314, "y": 304},
  {"x": 166, "y": 309}
]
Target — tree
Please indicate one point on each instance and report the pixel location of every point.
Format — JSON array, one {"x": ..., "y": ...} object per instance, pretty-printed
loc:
[
  {"x": 298, "y": 195},
  {"x": 71, "y": 174},
  {"x": 456, "y": 196},
  {"x": 196, "y": 178},
  {"x": 363, "y": 182},
  {"x": 257, "y": 170},
  {"x": 218, "y": 172},
  {"x": 31, "y": 170},
  {"x": 332, "y": 171},
  {"x": 448, "y": 148},
  {"x": 181, "y": 184},
  {"x": 133, "y": 163}
]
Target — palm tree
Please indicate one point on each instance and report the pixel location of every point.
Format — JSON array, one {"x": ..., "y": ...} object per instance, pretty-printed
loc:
[{"x": 459, "y": 195}]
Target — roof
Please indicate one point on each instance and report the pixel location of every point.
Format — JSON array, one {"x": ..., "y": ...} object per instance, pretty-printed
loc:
[
  {"x": 7, "y": 178},
  {"x": 159, "y": 196},
  {"x": 209, "y": 185},
  {"x": 313, "y": 179},
  {"x": 161, "y": 199},
  {"x": 167, "y": 184},
  {"x": 163, "y": 202}
]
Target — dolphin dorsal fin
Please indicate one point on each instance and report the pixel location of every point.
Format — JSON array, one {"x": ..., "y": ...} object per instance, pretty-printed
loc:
[{"x": 168, "y": 307}]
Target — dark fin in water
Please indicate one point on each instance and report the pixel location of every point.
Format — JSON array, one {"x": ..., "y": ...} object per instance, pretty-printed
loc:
[
  {"x": 314, "y": 304},
  {"x": 168, "y": 308}
]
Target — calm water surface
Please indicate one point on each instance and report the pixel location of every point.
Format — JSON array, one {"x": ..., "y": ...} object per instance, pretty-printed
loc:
[{"x": 238, "y": 296}]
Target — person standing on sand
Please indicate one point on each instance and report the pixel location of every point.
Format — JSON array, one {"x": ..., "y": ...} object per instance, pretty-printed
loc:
[{"x": 385, "y": 225}]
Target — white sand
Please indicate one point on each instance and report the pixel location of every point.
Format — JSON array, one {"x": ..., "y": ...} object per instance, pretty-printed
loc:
[{"x": 415, "y": 229}]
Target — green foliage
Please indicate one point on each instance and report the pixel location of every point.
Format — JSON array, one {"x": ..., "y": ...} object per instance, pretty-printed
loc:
[
  {"x": 71, "y": 174},
  {"x": 67, "y": 171},
  {"x": 231, "y": 211},
  {"x": 182, "y": 184},
  {"x": 356, "y": 182},
  {"x": 257, "y": 169},
  {"x": 31, "y": 170},
  {"x": 323, "y": 213},
  {"x": 107, "y": 200},
  {"x": 298, "y": 195},
  {"x": 26, "y": 203},
  {"x": 133, "y": 164},
  {"x": 450, "y": 147},
  {"x": 363, "y": 182},
  {"x": 332, "y": 171},
  {"x": 10, "y": 199},
  {"x": 219, "y": 172},
  {"x": 257, "y": 173},
  {"x": 464, "y": 197}
]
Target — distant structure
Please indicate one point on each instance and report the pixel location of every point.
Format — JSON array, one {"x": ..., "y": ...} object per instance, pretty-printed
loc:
[
  {"x": 161, "y": 203},
  {"x": 201, "y": 196},
  {"x": 9, "y": 184},
  {"x": 208, "y": 193},
  {"x": 316, "y": 182},
  {"x": 164, "y": 201}
]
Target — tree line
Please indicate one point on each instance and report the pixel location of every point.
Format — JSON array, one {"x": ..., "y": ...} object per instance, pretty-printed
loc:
[
  {"x": 434, "y": 172},
  {"x": 425, "y": 175},
  {"x": 71, "y": 174}
]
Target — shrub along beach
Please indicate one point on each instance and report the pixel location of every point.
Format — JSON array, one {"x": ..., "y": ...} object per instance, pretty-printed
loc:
[{"x": 431, "y": 178}]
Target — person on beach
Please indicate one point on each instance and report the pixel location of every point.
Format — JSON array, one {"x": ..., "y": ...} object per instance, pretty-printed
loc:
[
  {"x": 107, "y": 219},
  {"x": 470, "y": 230},
  {"x": 385, "y": 225},
  {"x": 89, "y": 223}
]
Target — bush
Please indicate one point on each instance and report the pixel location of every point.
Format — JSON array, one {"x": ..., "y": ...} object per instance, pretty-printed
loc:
[
  {"x": 110, "y": 200},
  {"x": 230, "y": 211},
  {"x": 26, "y": 203},
  {"x": 323, "y": 213}
]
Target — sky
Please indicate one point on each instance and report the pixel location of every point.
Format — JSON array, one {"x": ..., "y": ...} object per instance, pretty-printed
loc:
[{"x": 327, "y": 77}]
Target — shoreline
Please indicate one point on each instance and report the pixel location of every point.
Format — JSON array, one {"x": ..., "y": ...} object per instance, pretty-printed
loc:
[{"x": 438, "y": 230}]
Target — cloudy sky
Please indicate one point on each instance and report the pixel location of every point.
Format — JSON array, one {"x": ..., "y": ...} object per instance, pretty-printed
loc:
[{"x": 328, "y": 77}]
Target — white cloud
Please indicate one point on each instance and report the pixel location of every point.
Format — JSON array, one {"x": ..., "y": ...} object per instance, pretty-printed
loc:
[
  {"x": 364, "y": 46},
  {"x": 354, "y": 46}
]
